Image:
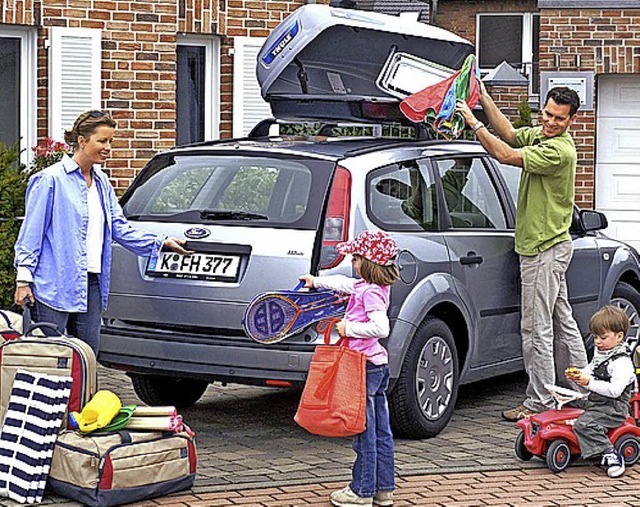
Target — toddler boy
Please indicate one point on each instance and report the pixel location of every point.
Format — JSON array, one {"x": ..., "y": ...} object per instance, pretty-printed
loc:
[{"x": 610, "y": 378}]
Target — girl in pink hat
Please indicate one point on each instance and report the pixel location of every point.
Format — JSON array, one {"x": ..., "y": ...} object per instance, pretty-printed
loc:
[{"x": 364, "y": 323}]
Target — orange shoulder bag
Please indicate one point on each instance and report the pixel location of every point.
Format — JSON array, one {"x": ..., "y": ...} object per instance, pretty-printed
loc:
[{"x": 334, "y": 399}]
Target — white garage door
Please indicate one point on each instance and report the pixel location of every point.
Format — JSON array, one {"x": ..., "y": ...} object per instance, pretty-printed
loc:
[{"x": 618, "y": 156}]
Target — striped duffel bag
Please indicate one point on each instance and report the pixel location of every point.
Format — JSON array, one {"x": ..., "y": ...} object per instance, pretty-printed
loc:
[{"x": 101, "y": 470}]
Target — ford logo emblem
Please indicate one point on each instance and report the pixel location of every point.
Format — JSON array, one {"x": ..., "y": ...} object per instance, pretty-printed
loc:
[{"x": 197, "y": 233}]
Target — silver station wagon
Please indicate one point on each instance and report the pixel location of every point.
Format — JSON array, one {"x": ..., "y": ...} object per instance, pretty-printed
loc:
[{"x": 261, "y": 210}]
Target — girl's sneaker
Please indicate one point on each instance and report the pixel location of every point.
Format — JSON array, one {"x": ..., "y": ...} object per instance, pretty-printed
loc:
[
  {"x": 383, "y": 498},
  {"x": 345, "y": 497}
]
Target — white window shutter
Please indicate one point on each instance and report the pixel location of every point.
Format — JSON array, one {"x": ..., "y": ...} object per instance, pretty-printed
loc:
[
  {"x": 248, "y": 106},
  {"x": 75, "y": 58}
]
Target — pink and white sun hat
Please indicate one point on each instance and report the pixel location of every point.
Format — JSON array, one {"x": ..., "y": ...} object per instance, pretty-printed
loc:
[{"x": 375, "y": 246}]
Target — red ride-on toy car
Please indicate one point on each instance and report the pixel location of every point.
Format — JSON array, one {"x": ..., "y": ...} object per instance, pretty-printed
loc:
[{"x": 549, "y": 435}]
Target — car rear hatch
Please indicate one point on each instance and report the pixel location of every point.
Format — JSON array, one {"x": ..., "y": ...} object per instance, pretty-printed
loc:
[
  {"x": 330, "y": 63},
  {"x": 251, "y": 219}
]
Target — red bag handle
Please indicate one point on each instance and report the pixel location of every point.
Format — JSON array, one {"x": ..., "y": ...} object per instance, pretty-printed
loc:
[{"x": 325, "y": 328}]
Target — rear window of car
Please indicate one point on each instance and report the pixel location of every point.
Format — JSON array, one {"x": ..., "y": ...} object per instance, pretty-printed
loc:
[{"x": 287, "y": 192}]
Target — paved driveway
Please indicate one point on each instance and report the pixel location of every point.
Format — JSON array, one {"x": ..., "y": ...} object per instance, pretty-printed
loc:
[{"x": 246, "y": 438}]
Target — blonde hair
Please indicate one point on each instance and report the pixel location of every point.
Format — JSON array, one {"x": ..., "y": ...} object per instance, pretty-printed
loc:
[
  {"x": 377, "y": 273},
  {"x": 85, "y": 125},
  {"x": 609, "y": 318}
]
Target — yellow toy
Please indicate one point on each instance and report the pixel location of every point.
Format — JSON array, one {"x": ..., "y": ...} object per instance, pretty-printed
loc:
[{"x": 98, "y": 413}]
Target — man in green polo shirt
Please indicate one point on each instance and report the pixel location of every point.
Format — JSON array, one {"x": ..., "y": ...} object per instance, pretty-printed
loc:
[{"x": 547, "y": 156}]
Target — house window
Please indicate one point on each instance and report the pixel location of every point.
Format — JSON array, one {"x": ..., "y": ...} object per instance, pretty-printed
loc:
[
  {"x": 10, "y": 90},
  {"x": 197, "y": 109},
  {"x": 17, "y": 88},
  {"x": 513, "y": 38}
]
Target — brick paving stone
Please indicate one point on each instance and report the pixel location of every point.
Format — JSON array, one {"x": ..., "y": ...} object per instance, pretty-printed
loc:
[{"x": 223, "y": 495}]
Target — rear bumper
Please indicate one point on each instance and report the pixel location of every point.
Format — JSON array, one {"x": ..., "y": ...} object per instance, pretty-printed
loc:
[{"x": 212, "y": 359}]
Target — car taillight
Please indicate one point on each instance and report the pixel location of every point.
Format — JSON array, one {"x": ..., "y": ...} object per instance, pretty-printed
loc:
[{"x": 336, "y": 223}]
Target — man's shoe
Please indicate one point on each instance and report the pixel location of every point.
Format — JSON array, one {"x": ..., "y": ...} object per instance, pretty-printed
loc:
[
  {"x": 515, "y": 414},
  {"x": 614, "y": 463},
  {"x": 345, "y": 497},
  {"x": 383, "y": 498}
]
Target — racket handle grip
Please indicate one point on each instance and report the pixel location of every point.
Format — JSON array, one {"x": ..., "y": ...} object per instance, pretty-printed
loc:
[{"x": 300, "y": 285}]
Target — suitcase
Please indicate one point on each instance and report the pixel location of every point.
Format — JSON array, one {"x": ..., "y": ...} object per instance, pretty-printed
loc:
[
  {"x": 10, "y": 325},
  {"x": 53, "y": 355},
  {"x": 101, "y": 470}
]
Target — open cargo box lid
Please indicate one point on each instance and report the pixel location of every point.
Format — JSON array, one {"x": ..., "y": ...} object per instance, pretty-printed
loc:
[{"x": 329, "y": 63}]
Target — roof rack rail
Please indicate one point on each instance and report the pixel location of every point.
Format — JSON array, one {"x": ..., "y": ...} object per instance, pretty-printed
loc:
[
  {"x": 325, "y": 129},
  {"x": 262, "y": 128}
]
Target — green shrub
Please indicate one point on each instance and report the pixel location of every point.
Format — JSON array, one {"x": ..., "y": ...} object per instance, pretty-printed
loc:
[
  {"x": 524, "y": 111},
  {"x": 13, "y": 185}
]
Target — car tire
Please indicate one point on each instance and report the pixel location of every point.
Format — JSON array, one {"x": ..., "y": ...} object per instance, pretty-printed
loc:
[
  {"x": 558, "y": 455},
  {"x": 627, "y": 298},
  {"x": 522, "y": 452},
  {"x": 424, "y": 396},
  {"x": 629, "y": 447},
  {"x": 158, "y": 390}
]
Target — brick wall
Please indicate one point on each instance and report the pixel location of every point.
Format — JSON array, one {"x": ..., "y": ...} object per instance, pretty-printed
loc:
[
  {"x": 138, "y": 73},
  {"x": 19, "y": 12}
]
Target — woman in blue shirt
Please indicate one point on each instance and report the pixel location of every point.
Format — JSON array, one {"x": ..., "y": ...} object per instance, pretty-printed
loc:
[{"x": 63, "y": 251}]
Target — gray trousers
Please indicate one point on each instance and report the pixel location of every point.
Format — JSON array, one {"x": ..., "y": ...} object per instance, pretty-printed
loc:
[
  {"x": 547, "y": 323},
  {"x": 600, "y": 415}
]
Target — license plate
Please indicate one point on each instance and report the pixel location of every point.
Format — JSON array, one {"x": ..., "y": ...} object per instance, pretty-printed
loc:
[{"x": 197, "y": 266}]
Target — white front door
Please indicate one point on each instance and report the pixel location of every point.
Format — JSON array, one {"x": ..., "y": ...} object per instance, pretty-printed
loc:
[{"x": 618, "y": 156}]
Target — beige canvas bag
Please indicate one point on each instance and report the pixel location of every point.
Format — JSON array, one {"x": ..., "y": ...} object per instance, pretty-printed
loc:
[{"x": 101, "y": 470}]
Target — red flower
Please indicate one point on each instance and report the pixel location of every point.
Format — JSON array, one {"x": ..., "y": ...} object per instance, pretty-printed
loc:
[{"x": 46, "y": 153}]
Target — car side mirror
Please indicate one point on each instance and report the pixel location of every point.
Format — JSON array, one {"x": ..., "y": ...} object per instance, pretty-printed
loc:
[{"x": 592, "y": 220}]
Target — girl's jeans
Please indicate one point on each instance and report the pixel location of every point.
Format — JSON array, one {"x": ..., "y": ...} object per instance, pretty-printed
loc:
[
  {"x": 83, "y": 325},
  {"x": 374, "y": 467}
]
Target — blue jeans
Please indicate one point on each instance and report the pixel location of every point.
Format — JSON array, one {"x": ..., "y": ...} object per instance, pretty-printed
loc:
[
  {"x": 83, "y": 325},
  {"x": 374, "y": 468}
]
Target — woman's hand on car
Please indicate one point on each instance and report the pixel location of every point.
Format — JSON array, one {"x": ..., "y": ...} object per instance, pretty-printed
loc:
[
  {"x": 177, "y": 245},
  {"x": 308, "y": 281}
]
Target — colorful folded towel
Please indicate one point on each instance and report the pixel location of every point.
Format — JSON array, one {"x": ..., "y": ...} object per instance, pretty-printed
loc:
[
  {"x": 154, "y": 411},
  {"x": 161, "y": 423}
]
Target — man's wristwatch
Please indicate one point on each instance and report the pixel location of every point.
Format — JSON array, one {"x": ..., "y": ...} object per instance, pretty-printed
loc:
[{"x": 477, "y": 126}]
